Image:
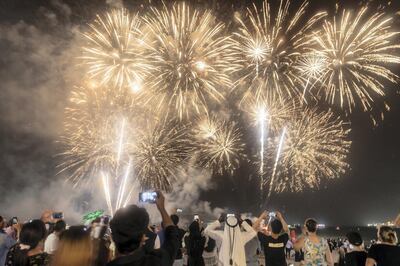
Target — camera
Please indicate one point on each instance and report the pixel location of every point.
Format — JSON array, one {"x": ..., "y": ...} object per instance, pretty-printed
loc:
[{"x": 148, "y": 197}]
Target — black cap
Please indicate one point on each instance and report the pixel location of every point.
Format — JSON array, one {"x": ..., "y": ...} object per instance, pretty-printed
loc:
[
  {"x": 128, "y": 226},
  {"x": 354, "y": 238}
]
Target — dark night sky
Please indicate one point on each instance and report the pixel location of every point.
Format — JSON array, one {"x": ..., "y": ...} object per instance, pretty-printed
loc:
[{"x": 34, "y": 45}]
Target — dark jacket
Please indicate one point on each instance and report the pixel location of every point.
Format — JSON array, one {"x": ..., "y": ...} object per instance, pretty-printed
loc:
[{"x": 143, "y": 256}]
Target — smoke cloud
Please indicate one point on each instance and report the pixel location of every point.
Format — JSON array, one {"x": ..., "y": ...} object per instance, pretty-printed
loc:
[{"x": 39, "y": 67}]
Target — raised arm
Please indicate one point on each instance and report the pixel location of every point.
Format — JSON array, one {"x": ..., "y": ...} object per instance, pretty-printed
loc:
[
  {"x": 328, "y": 255},
  {"x": 160, "y": 202},
  {"x": 171, "y": 243},
  {"x": 284, "y": 224},
  {"x": 257, "y": 223},
  {"x": 212, "y": 232},
  {"x": 249, "y": 234}
]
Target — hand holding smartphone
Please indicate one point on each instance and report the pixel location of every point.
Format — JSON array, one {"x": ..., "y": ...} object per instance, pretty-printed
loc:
[{"x": 148, "y": 197}]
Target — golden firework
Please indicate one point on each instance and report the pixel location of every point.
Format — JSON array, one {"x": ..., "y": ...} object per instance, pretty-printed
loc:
[
  {"x": 357, "y": 48},
  {"x": 270, "y": 109},
  {"x": 115, "y": 51},
  {"x": 310, "y": 149},
  {"x": 160, "y": 150},
  {"x": 218, "y": 145},
  {"x": 267, "y": 46},
  {"x": 98, "y": 132},
  {"x": 190, "y": 57}
]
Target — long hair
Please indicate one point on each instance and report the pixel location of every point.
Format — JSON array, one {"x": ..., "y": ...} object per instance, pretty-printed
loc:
[
  {"x": 74, "y": 249},
  {"x": 31, "y": 235},
  {"x": 387, "y": 234}
]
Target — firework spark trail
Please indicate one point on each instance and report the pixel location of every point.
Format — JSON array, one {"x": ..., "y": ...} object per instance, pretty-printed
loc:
[
  {"x": 107, "y": 193},
  {"x": 262, "y": 118},
  {"x": 310, "y": 68},
  {"x": 122, "y": 186},
  {"x": 277, "y": 111},
  {"x": 278, "y": 154},
  {"x": 115, "y": 50},
  {"x": 264, "y": 56},
  {"x": 159, "y": 151},
  {"x": 121, "y": 140},
  {"x": 316, "y": 148},
  {"x": 218, "y": 145},
  {"x": 357, "y": 49},
  {"x": 191, "y": 59}
]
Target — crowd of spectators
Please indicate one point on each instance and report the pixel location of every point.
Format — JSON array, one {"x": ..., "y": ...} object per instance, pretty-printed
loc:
[{"x": 129, "y": 239}]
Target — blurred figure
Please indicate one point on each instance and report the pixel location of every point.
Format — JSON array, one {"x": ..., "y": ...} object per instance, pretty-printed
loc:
[
  {"x": 273, "y": 245},
  {"x": 6, "y": 242},
  {"x": 316, "y": 249},
  {"x": 195, "y": 243},
  {"x": 210, "y": 254},
  {"x": 288, "y": 249},
  {"x": 51, "y": 243},
  {"x": 74, "y": 248},
  {"x": 128, "y": 228},
  {"x": 386, "y": 252},
  {"x": 181, "y": 233},
  {"x": 13, "y": 228},
  {"x": 356, "y": 254},
  {"x": 29, "y": 250}
]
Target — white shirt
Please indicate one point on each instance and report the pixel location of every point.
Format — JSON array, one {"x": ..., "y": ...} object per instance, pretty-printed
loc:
[
  {"x": 240, "y": 238},
  {"x": 51, "y": 243}
]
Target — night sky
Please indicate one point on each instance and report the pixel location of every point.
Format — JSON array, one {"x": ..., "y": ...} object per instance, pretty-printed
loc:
[{"x": 36, "y": 54}]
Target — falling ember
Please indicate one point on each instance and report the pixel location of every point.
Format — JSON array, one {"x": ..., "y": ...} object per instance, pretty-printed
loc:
[
  {"x": 114, "y": 52},
  {"x": 278, "y": 154},
  {"x": 261, "y": 117},
  {"x": 267, "y": 45},
  {"x": 315, "y": 149},
  {"x": 107, "y": 193},
  {"x": 218, "y": 145},
  {"x": 191, "y": 59},
  {"x": 357, "y": 49}
]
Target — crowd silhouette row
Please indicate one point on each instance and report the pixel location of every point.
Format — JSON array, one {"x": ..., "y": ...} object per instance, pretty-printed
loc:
[{"x": 129, "y": 239}]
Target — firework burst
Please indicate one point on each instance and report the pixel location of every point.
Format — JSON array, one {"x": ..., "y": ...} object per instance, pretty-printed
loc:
[
  {"x": 267, "y": 45},
  {"x": 98, "y": 131},
  {"x": 115, "y": 50},
  {"x": 310, "y": 67},
  {"x": 312, "y": 148},
  {"x": 191, "y": 59},
  {"x": 218, "y": 145},
  {"x": 160, "y": 150},
  {"x": 357, "y": 49},
  {"x": 271, "y": 109}
]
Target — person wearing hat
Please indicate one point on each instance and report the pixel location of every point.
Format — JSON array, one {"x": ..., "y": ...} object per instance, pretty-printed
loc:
[
  {"x": 356, "y": 255},
  {"x": 128, "y": 230}
]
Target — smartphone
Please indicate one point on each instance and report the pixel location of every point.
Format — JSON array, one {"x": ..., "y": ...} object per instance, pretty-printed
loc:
[
  {"x": 14, "y": 220},
  {"x": 58, "y": 215},
  {"x": 196, "y": 217},
  {"x": 148, "y": 197},
  {"x": 272, "y": 214}
]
